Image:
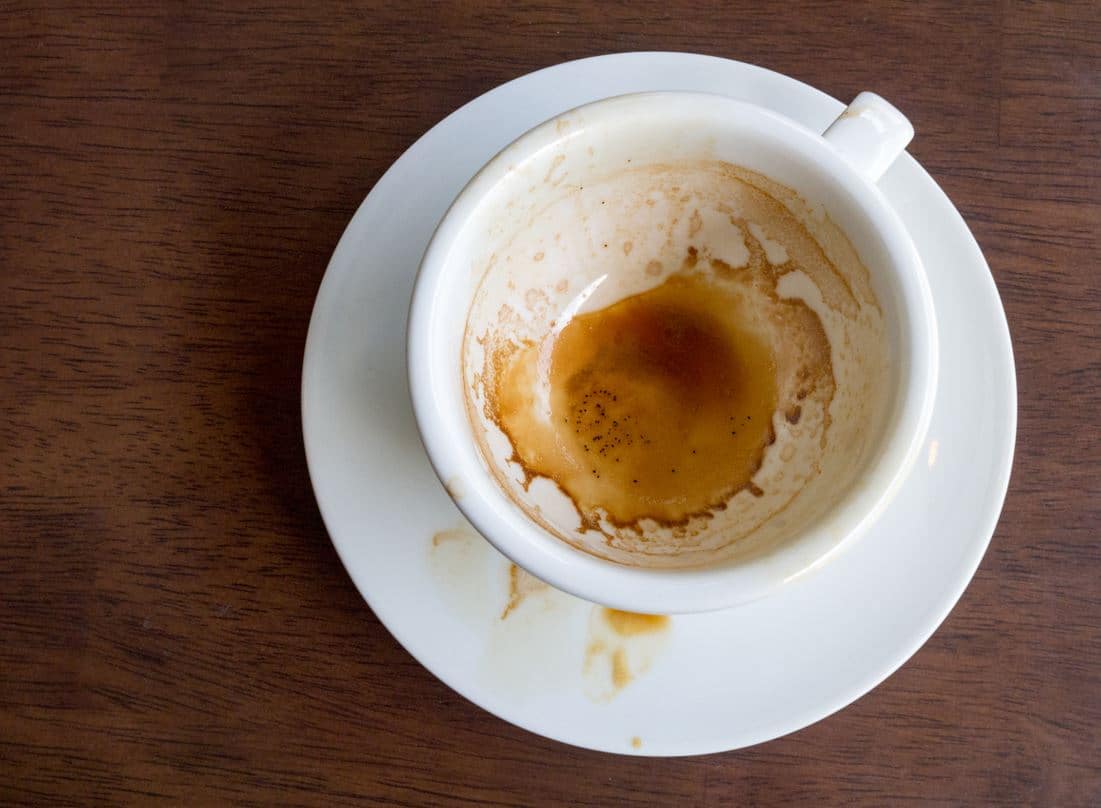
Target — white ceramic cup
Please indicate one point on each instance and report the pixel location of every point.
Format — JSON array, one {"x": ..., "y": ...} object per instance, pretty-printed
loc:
[{"x": 834, "y": 172}]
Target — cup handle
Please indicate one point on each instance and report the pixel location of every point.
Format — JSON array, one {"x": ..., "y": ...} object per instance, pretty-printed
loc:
[{"x": 870, "y": 134}]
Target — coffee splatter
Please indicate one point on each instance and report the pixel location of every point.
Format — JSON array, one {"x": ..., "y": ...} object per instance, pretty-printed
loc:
[
  {"x": 453, "y": 535},
  {"x": 621, "y": 647},
  {"x": 536, "y": 632},
  {"x": 521, "y": 585}
]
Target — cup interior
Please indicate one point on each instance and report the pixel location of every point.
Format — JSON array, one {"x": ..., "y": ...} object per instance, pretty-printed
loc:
[{"x": 575, "y": 216}]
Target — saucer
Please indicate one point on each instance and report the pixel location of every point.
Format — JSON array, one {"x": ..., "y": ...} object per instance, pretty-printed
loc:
[{"x": 569, "y": 670}]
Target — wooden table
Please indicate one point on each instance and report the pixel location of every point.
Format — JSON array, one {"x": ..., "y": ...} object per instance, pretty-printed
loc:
[{"x": 174, "y": 623}]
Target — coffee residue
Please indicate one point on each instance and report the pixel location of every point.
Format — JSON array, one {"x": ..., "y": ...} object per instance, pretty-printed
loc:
[
  {"x": 680, "y": 394},
  {"x": 455, "y": 489},
  {"x": 455, "y": 534},
  {"x": 616, "y": 650},
  {"x": 621, "y": 647},
  {"x": 521, "y": 585},
  {"x": 632, "y": 624},
  {"x": 661, "y": 404}
]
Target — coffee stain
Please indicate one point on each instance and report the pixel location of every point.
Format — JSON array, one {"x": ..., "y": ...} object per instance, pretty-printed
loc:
[
  {"x": 521, "y": 585},
  {"x": 454, "y": 535},
  {"x": 627, "y": 247},
  {"x": 636, "y": 742},
  {"x": 621, "y": 380},
  {"x": 803, "y": 372},
  {"x": 556, "y": 163},
  {"x": 455, "y": 488},
  {"x": 536, "y": 300},
  {"x": 622, "y": 646},
  {"x": 621, "y": 671},
  {"x": 632, "y": 624},
  {"x": 464, "y": 569},
  {"x": 537, "y": 638},
  {"x": 775, "y": 252}
]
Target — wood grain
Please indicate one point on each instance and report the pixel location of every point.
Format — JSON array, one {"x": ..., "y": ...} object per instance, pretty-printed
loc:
[{"x": 174, "y": 624}]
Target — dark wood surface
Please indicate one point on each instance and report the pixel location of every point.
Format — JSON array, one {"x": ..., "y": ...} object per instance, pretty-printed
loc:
[{"x": 174, "y": 623}]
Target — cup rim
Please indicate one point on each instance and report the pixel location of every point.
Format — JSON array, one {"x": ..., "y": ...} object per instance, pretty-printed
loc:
[{"x": 690, "y": 589}]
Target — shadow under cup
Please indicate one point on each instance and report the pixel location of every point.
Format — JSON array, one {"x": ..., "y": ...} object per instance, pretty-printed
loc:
[{"x": 612, "y": 200}]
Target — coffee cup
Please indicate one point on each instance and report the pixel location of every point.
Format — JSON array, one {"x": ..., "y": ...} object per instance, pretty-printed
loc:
[{"x": 670, "y": 351}]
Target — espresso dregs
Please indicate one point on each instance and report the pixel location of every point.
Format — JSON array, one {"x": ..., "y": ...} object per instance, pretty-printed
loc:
[{"x": 662, "y": 379}]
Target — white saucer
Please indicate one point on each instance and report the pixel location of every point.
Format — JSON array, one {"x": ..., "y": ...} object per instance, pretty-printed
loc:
[{"x": 708, "y": 682}]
